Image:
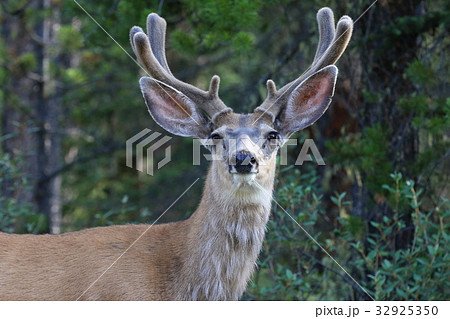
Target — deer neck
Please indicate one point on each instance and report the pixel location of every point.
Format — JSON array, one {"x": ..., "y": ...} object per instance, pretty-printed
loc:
[{"x": 225, "y": 235}]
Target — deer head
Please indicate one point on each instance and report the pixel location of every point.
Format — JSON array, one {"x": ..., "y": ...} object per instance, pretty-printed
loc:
[{"x": 245, "y": 145}]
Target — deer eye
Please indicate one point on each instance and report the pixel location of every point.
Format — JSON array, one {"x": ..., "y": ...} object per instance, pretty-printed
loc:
[
  {"x": 273, "y": 135},
  {"x": 215, "y": 137}
]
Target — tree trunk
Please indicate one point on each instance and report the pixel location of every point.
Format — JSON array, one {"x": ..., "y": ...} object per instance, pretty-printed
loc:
[
  {"x": 30, "y": 115},
  {"x": 49, "y": 199}
]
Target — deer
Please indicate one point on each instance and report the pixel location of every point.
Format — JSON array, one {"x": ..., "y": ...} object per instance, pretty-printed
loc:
[{"x": 212, "y": 254}]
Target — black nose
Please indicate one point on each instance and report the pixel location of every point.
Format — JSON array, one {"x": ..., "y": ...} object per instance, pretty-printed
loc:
[{"x": 245, "y": 162}]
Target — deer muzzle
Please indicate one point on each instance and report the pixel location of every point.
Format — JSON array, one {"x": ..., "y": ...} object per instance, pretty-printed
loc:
[{"x": 243, "y": 163}]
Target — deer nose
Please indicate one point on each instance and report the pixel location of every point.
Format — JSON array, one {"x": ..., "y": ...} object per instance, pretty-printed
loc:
[{"x": 245, "y": 163}]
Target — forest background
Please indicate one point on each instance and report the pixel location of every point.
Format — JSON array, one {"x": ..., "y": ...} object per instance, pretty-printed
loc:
[{"x": 69, "y": 100}]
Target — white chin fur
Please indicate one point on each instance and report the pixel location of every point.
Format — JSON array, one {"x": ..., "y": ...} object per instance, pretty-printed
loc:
[{"x": 244, "y": 178}]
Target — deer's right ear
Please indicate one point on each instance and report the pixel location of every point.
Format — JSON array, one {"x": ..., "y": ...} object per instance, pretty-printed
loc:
[{"x": 173, "y": 110}]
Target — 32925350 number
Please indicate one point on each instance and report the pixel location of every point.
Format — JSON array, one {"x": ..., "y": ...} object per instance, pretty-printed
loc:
[{"x": 407, "y": 310}]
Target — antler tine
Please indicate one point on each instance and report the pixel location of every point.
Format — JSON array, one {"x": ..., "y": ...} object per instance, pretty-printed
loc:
[
  {"x": 133, "y": 32},
  {"x": 332, "y": 44},
  {"x": 156, "y": 30},
  {"x": 325, "y": 20},
  {"x": 339, "y": 44},
  {"x": 150, "y": 50}
]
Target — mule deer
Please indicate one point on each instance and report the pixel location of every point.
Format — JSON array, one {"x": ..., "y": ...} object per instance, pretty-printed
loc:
[{"x": 211, "y": 255}]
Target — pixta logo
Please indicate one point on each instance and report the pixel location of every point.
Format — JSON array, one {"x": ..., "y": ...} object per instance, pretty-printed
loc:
[{"x": 144, "y": 144}]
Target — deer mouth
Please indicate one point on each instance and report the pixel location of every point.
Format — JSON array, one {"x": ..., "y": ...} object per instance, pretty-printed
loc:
[
  {"x": 242, "y": 171},
  {"x": 244, "y": 178},
  {"x": 243, "y": 174}
]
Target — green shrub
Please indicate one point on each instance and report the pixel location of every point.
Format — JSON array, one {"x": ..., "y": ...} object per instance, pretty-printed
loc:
[
  {"x": 15, "y": 216},
  {"x": 375, "y": 253}
]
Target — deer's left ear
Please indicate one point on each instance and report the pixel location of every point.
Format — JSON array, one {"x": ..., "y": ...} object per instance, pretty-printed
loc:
[{"x": 307, "y": 102}]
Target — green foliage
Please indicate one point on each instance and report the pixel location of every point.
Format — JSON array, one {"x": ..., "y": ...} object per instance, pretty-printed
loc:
[
  {"x": 26, "y": 62},
  {"x": 220, "y": 23},
  {"x": 419, "y": 271},
  {"x": 366, "y": 152},
  {"x": 419, "y": 73},
  {"x": 293, "y": 267},
  {"x": 69, "y": 38},
  {"x": 14, "y": 216}
]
